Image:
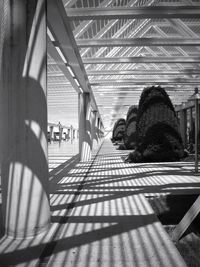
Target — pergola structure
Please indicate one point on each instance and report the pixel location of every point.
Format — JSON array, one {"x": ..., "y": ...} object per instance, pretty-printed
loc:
[
  {"x": 121, "y": 46},
  {"x": 100, "y": 55}
]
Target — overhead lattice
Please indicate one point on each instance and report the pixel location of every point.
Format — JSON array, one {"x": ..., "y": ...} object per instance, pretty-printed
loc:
[{"x": 126, "y": 45}]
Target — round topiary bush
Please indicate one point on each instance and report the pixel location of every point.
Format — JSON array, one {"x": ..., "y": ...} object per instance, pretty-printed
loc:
[
  {"x": 157, "y": 128},
  {"x": 118, "y": 130},
  {"x": 130, "y": 128}
]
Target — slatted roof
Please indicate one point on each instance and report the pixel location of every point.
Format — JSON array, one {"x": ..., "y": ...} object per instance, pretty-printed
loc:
[{"x": 121, "y": 47}]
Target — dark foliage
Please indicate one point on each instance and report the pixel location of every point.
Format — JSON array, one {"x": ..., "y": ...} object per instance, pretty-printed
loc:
[
  {"x": 121, "y": 147},
  {"x": 158, "y": 137},
  {"x": 118, "y": 130},
  {"x": 161, "y": 143},
  {"x": 130, "y": 129}
]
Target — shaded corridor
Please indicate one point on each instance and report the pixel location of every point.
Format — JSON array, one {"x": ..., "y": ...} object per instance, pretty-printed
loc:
[{"x": 100, "y": 216}]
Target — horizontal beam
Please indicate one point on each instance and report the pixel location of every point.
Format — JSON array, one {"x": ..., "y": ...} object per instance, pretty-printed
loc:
[
  {"x": 138, "y": 42},
  {"x": 132, "y": 89},
  {"x": 143, "y": 72},
  {"x": 60, "y": 29},
  {"x": 186, "y": 105},
  {"x": 55, "y": 74},
  {"x": 143, "y": 81},
  {"x": 131, "y": 80},
  {"x": 69, "y": 79},
  {"x": 126, "y": 60},
  {"x": 62, "y": 126},
  {"x": 150, "y": 12},
  {"x": 121, "y": 86}
]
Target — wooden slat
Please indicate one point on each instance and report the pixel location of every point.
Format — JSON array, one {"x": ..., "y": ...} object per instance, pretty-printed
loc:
[
  {"x": 144, "y": 12},
  {"x": 146, "y": 72},
  {"x": 138, "y": 42},
  {"x": 140, "y": 59},
  {"x": 187, "y": 220}
]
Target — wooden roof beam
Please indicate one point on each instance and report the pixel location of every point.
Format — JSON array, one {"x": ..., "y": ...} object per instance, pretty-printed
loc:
[
  {"x": 131, "y": 60},
  {"x": 151, "y": 12},
  {"x": 138, "y": 42},
  {"x": 107, "y": 82},
  {"x": 147, "y": 72},
  {"x": 63, "y": 41}
]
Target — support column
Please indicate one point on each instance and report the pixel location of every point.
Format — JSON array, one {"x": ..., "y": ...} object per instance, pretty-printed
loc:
[
  {"x": 191, "y": 123},
  {"x": 85, "y": 143},
  {"x": 76, "y": 134},
  {"x": 198, "y": 122},
  {"x": 183, "y": 126},
  {"x": 23, "y": 120},
  {"x": 98, "y": 129},
  {"x": 51, "y": 133},
  {"x": 101, "y": 132},
  {"x": 196, "y": 133},
  {"x": 191, "y": 126},
  {"x": 60, "y": 133},
  {"x": 68, "y": 134},
  {"x": 71, "y": 133},
  {"x": 94, "y": 130},
  {"x": 60, "y": 130}
]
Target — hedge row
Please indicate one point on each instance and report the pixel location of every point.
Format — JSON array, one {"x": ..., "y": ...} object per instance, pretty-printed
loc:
[
  {"x": 153, "y": 129},
  {"x": 158, "y": 136},
  {"x": 130, "y": 128},
  {"x": 118, "y": 130}
]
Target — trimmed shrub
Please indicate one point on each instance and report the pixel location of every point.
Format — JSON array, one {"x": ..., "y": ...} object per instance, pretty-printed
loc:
[
  {"x": 158, "y": 136},
  {"x": 130, "y": 128},
  {"x": 118, "y": 130}
]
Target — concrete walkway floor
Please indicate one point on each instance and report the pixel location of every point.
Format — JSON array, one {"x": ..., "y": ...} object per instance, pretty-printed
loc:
[{"x": 100, "y": 216}]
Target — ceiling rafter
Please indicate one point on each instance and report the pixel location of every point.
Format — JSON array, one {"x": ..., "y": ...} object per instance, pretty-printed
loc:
[
  {"x": 120, "y": 31},
  {"x": 138, "y": 42},
  {"x": 179, "y": 49},
  {"x": 129, "y": 87},
  {"x": 141, "y": 28},
  {"x": 65, "y": 72},
  {"x": 164, "y": 35},
  {"x": 61, "y": 30},
  {"x": 180, "y": 26},
  {"x": 86, "y": 24},
  {"x": 137, "y": 72},
  {"x": 125, "y": 48},
  {"x": 125, "y": 60},
  {"x": 100, "y": 51},
  {"x": 134, "y": 12},
  {"x": 69, "y": 3},
  {"x": 145, "y": 80},
  {"x": 80, "y": 30}
]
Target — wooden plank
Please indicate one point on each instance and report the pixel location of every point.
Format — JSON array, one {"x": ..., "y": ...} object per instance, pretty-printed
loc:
[
  {"x": 140, "y": 59},
  {"x": 145, "y": 12},
  {"x": 138, "y": 72},
  {"x": 113, "y": 42},
  {"x": 186, "y": 105},
  {"x": 186, "y": 220}
]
